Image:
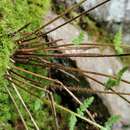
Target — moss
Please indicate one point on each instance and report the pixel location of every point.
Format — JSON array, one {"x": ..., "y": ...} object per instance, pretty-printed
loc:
[{"x": 14, "y": 15}]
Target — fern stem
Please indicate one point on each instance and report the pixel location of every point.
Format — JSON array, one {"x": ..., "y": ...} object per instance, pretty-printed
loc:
[
  {"x": 89, "y": 55},
  {"x": 90, "y": 44},
  {"x": 85, "y": 90}
]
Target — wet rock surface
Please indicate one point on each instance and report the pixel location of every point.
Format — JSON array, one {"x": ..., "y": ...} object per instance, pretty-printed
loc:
[{"x": 115, "y": 104}]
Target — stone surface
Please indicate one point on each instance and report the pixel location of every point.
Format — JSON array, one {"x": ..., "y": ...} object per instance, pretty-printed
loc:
[
  {"x": 114, "y": 103},
  {"x": 114, "y": 14}
]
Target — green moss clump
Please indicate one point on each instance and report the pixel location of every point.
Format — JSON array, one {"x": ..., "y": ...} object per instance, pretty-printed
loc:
[{"x": 14, "y": 15}]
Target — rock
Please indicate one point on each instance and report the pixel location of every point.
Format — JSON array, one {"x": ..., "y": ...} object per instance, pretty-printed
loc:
[
  {"x": 113, "y": 15},
  {"x": 115, "y": 104}
]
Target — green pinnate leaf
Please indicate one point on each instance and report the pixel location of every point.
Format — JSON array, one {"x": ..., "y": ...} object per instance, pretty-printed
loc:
[
  {"x": 72, "y": 122},
  {"x": 115, "y": 82},
  {"x": 118, "y": 41},
  {"x": 86, "y": 104}
]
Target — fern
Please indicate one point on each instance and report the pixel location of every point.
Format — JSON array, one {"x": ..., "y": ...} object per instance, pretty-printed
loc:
[
  {"x": 117, "y": 42},
  {"x": 72, "y": 122},
  {"x": 115, "y": 82},
  {"x": 86, "y": 104},
  {"x": 79, "y": 39}
]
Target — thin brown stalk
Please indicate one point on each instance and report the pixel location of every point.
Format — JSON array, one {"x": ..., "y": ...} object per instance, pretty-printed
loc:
[
  {"x": 26, "y": 78},
  {"x": 19, "y": 30},
  {"x": 70, "y": 48},
  {"x": 38, "y": 46},
  {"x": 50, "y": 42},
  {"x": 125, "y": 99},
  {"x": 41, "y": 44},
  {"x": 54, "y": 110},
  {"x": 28, "y": 43},
  {"x": 30, "y": 49},
  {"x": 21, "y": 87},
  {"x": 90, "y": 44},
  {"x": 89, "y": 55},
  {"x": 41, "y": 47},
  {"x": 88, "y": 90},
  {"x": 61, "y": 15},
  {"x": 30, "y": 84}
]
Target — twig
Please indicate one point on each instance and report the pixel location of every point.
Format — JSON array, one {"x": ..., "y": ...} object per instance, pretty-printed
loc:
[
  {"x": 87, "y": 90},
  {"x": 19, "y": 30},
  {"x": 89, "y": 44},
  {"x": 89, "y": 55},
  {"x": 54, "y": 110}
]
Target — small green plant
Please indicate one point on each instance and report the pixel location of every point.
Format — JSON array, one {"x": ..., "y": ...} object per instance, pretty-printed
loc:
[
  {"x": 115, "y": 82},
  {"x": 86, "y": 104},
  {"x": 118, "y": 41},
  {"x": 79, "y": 39}
]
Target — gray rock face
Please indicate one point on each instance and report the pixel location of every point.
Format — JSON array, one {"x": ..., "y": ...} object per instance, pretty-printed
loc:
[
  {"x": 114, "y": 11},
  {"x": 115, "y": 14},
  {"x": 115, "y": 104}
]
